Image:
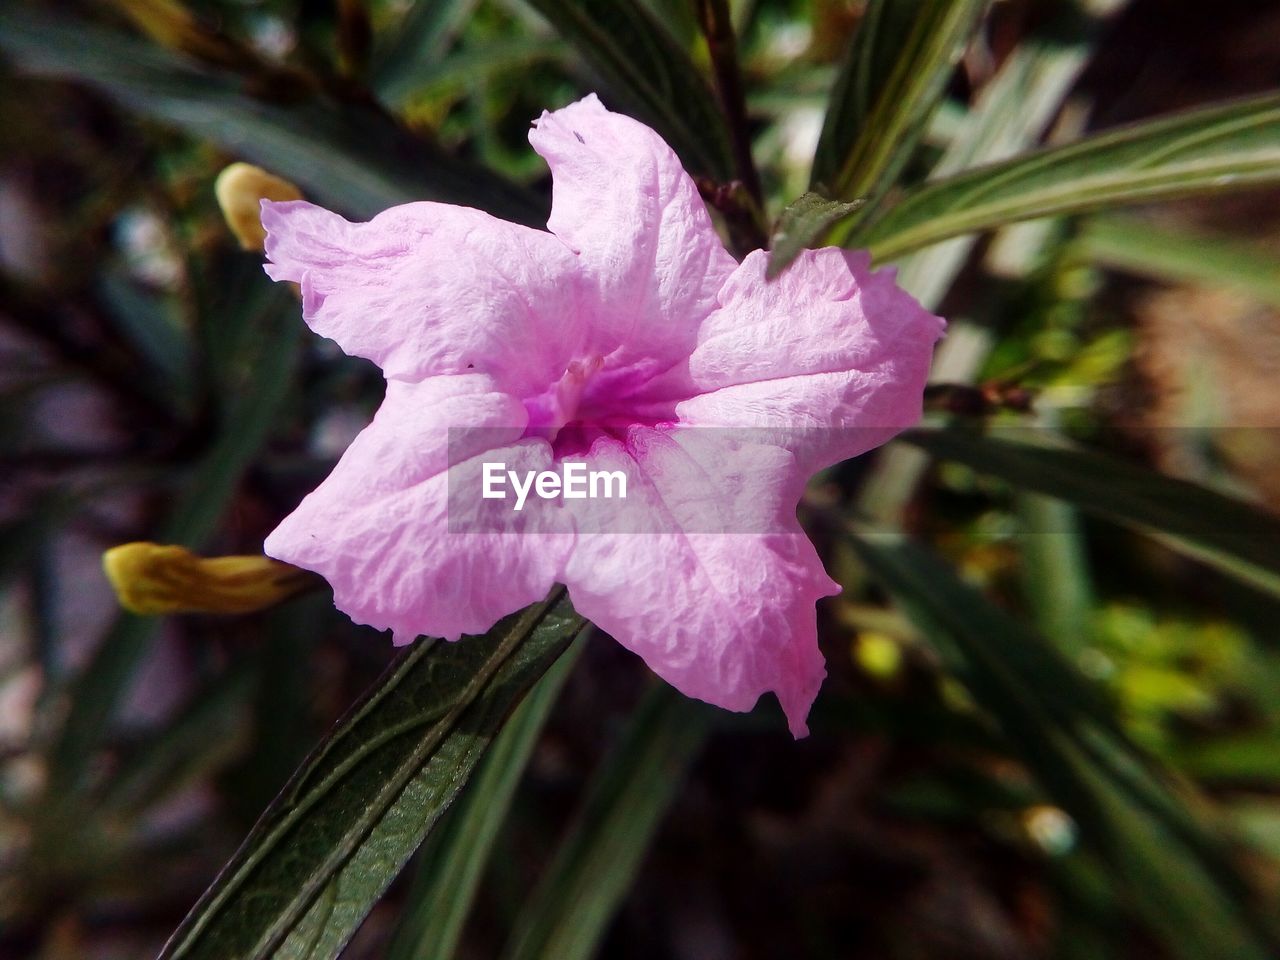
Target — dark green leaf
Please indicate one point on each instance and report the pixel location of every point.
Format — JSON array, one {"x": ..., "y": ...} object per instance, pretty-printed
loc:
[
  {"x": 1248, "y": 758},
  {"x": 348, "y": 156},
  {"x": 192, "y": 741},
  {"x": 1225, "y": 147},
  {"x": 149, "y": 322},
  {"x": 1055, "y": 570},
  {"x": 597, "y": 862},
  {"x": 24, "y": 536},
  {"x": 1174, "y": 870},
  {"x": 650, "y": 74},
  {"x": 94, "y": 695},
  {"x": 325, "y": 851},
  {"x": 1239, "y": 538},
  {"x": 804, "y": 221},
  {"x": 678, "y": 16},
  {"x": 414, "y": 45},
  {"x": 895, "y": 74},
  {"x": 462, "y": 72},
  {"x": 455, "y": 856},
  {"x": 282, "y": 734},
  {"x": 250, "y": 405}
]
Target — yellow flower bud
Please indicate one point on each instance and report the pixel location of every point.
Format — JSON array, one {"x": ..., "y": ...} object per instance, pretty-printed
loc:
[
  {"x": 240, "y": 188},
  {"x": 153, "y": 578}
]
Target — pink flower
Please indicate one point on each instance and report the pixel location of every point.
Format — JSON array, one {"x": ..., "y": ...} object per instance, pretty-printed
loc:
[{"x": 617, "y": 339}]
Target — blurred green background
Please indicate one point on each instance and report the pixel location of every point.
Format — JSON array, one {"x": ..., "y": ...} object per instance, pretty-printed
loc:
[{"x": 155, "y": 385}]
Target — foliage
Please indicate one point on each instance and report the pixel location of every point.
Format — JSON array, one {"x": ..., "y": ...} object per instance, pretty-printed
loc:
[{"x": 1054, "y": 690}]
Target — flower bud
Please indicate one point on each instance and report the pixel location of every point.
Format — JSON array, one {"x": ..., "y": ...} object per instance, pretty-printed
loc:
[
  {"x": 240, "y": 189},
  {"x": 153, "y": 578}
]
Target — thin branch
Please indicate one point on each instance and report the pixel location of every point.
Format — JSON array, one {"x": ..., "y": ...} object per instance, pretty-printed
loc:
[{"x": 713, "y": 17}]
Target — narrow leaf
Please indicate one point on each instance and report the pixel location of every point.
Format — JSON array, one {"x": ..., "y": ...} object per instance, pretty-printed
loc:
[
  {"x": 1233, "y": 535},
  {"x": 454, "y": 859},
  {"x": 348, "y": 156},
  {"x": 267, "y": 362},
  {"x": 1011, "y": 113},
  {"x": 804, "y": 222},
  {"x": 281, "y": 700},
  {"x": 25, "y": 535},
  {"x": 1173, "y": 869},
  {"x": 249, "y": 406},
  {"x": 1181, "y": 255},
  {"x": 1225, "y": 147},
  {"x": 191, "y": 742},
  {"x": 414, "y": 45},
  {"x": 148, "y": 321},
  {"x": 459, "y": 73},
  {"x": 598, "y": 860},
  {"x": 647, "y": 69},
  {"x": 325, "y": 851},
  {"x": 1055, "y": 570},
  {"x": 894, "y": 76},
  {"x": 1247, "y": 758}
]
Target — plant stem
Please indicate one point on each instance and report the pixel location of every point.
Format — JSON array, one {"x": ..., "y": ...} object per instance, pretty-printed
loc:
[{"x": 717, "y": 28}]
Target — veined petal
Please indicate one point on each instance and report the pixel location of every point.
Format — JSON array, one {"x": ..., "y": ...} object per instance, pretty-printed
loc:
[
  {"x": 623, "y": 202},
  {"x": 631, "y": 339},
  {"x": 427, "y": 288},
  {"x": 378, "y": 528},
  {"x": 722, "y": 616},
  {"x": 831, "y": 358}
]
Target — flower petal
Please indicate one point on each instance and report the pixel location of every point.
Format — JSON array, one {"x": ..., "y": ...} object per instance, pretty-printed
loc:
[
  {"x": 428, "y": 288},
  {"x": 622, "y": 200},
  {"x": 723, "y": 617},
  {"x": 831, "y": 357},
  {"x": 378, "y": 528}
]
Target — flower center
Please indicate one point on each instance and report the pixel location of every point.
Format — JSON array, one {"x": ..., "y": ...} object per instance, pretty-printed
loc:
[{"x": 551, "y": 411}]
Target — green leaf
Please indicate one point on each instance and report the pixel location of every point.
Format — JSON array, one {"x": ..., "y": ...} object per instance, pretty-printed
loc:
[
  {"x": 1226, "y": 147},
  {"x": 1258, "y": 822},
  {"x": 25, "y": 535},
  {"x": 148, "y": 321},
  {"x": 1234, "y": 536},
  {"x": 1175, "y": 871},
  {"x": 348, "y": 156},
  {"x": 647, "y": 69},
  {"x": 803, "y": 222},
  {"x": 192, "y": 741},
  {"x": 596, "y": 863},
  {"x": 1181, "y": 255},
  {"x": 679, "y": 17},
  {"x": 1011, "y": 113},
  {"x": 325, "y": 851},
  {"x": 281, "y": 734},
  {"x": 1055, "y": 570},
  {"x": 454, "y": 858},
  {"x": 250, "y": 405},
  {"x": 461, "y": 72},
  {"x": 411, "y": 48},
  {"x": 1247, "y": 758},
  {"x": 895, "y": 74}
]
